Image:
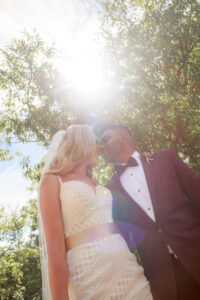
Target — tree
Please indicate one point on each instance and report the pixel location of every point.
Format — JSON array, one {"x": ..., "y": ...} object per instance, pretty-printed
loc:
[
  {"x": 154, "y": 47},
  {"x": 154, "y": 59},
  {"x": 35, "y": 100},
  {"x": 20, "y": 274}
]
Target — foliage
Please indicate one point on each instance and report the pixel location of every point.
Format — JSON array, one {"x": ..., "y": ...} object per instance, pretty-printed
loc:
[
  {"x": 20, "y": 275},
  {"x": 35, "y": 101},
  {"x": 154, "y": 58},
  {"x": 154, "y": 47}
]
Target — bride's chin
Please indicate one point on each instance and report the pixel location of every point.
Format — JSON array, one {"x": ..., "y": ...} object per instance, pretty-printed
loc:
[{"x": 94, "y": 164}]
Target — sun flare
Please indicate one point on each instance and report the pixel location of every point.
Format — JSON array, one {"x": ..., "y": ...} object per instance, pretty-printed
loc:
[{"x": 83, "y": 66}]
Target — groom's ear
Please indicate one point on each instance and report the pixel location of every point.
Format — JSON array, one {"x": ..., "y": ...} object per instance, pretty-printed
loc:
[{"x": 125, "y": 139}]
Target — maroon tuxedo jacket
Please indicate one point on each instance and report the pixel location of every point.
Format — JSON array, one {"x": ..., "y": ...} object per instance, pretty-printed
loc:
[{"x": 175, "y": 195}]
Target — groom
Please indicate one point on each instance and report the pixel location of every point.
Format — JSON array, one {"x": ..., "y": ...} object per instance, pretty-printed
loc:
[{"x": 156, "y": 200}]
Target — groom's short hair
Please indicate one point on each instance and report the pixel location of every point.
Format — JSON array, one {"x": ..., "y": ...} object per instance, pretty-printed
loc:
[{"x": 117, "y": 127}]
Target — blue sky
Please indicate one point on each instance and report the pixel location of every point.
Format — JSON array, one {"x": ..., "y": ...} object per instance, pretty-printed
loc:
[
  {"x": 71, "y": 25},
  {"x": 13, "y": 187}
]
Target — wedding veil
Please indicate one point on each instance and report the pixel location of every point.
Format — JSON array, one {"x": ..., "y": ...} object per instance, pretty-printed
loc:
[{"x": 52, "y": 149}]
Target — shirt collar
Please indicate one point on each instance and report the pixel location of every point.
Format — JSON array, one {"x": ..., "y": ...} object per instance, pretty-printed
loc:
[{"x": 135, "y": 155}]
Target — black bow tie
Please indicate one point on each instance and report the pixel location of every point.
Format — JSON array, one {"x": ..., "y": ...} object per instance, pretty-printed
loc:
[{"x": 121, "y": 168}]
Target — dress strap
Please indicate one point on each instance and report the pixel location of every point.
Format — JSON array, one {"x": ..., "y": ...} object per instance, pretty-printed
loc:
[{"x": 60, "y": 180}]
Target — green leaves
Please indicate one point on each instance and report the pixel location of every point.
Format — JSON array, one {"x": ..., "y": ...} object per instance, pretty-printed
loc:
[
  {"x": 20, "y": 275},
  {"x": 32, "y": 108},
  {"x": 158, "y": 57}
]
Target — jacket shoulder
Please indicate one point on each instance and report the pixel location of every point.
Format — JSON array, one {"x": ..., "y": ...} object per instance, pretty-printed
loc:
[{"x": 164, "y": 153}]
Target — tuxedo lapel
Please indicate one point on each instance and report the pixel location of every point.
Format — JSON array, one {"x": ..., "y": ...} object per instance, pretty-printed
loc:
[
  {"x": 139, "y": 217},
  {"x": 149, "y": 174}
]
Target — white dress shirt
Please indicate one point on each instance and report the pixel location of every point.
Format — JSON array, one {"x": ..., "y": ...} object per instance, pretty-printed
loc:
[{"x": 134, "y": 182}]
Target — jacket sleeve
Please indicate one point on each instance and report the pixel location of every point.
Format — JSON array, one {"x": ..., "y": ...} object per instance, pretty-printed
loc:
[{"x": 190, "y": 182}]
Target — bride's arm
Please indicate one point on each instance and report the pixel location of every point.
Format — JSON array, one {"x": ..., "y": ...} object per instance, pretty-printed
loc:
[{"x": 54, "y": 233}]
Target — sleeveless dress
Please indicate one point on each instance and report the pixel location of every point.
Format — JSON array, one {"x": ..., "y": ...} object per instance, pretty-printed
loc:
[{"x": 104, "y": 268}]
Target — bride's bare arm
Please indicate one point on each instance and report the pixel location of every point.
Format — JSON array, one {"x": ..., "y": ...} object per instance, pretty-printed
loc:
[{"x": 54, "y": 233}]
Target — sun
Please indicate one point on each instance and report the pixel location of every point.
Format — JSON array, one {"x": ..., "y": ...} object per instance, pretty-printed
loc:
[
  {"x": 84, "y": 73},
  {"x": 83, "y": 65}
]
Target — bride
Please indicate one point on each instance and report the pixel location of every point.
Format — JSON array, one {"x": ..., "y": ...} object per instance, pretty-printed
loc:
[{"x": 86, "y": 257}]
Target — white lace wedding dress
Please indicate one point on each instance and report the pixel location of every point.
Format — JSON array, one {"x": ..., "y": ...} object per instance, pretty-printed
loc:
[{"x": 102, "y": 269}]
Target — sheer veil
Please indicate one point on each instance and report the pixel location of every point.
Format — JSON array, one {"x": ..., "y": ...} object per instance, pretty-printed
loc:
[{"x": 46, "y": 293}]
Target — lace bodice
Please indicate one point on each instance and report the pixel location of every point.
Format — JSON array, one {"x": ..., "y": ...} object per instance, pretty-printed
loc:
[
  {"x": 82, "y": 208},
  {"x": 103, "y": 268}
]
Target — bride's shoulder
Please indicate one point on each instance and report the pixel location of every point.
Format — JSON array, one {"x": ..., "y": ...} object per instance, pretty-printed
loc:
[{"x": 49, "y": 180}]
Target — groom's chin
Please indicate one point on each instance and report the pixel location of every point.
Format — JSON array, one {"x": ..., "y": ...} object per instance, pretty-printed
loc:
[{"x": 109, "y": 159}]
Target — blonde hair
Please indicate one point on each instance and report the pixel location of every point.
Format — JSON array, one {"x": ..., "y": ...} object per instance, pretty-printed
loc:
[{"x": 77, "y": 145}]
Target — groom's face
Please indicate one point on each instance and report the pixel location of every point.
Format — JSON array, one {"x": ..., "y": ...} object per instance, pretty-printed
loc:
[{"x": 112, "y": 145}]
